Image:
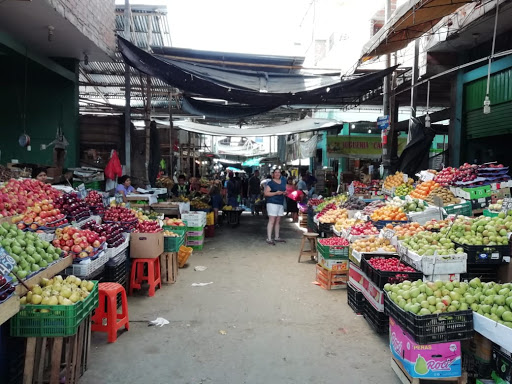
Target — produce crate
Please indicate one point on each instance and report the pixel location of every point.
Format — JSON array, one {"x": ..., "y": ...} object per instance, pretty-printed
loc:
[
  {"x": 113, "y": 252},
  {"x": 172, "y": 244},
  {"x": 180, "y": 230},
  {"x": 116, "y": 272},
  {"x": 502, "y": 363},
  {"x": 434, "y": 265},
  {"x": 196, "y": 247},
  {"x": 382, "y": 223},
  {"x": 430, "y": 329},
  {"x": 95, "y": 185},
  {"x": 355, "y": 299},
  {"x": 485, "y": 272},
  {"x": 169, "y": 267},
  {"x": 86, "y": 269},
  {"x": 331, "y": 279},
  {"x": 485, "y": 254},
  {"x": 474, "y": 367},
  {"x": 60, "y": 320},
  {"x": 332, "y": 252},
  {"x": 474, "y": 193},
  {"x": 380, "y": 278},
  {"x": 464, "y": 209},
  {"x": 379, "y": 321},
  {"x": 488, "y": 213},
  {"x": 194, "y": 219}
]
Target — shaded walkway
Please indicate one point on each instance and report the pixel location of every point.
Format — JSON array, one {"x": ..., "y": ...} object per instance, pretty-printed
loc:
[{"x": 279, "y": 327}]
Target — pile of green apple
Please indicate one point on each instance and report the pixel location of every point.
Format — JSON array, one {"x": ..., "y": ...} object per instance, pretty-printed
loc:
[
  {"x": 482, "y": 230},
  {"x": 58, "y": 291},
  {"x": 491, "y": 300},
  {"x": 27, "y": 249},
  {"x": 427, "y": 243}
]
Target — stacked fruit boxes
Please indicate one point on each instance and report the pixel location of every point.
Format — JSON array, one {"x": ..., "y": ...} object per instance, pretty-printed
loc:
[{"x": 196, "y": 221}]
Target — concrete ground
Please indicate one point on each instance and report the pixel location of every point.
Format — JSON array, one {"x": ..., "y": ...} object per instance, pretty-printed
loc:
[{"x": 261, "y": 321}]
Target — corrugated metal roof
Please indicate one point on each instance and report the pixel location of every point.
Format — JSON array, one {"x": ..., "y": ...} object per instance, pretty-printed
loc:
[{"x": 105, "y": 80}]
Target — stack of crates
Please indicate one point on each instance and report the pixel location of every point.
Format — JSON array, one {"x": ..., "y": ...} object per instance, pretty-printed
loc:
[{"x": 196, "y": 221}]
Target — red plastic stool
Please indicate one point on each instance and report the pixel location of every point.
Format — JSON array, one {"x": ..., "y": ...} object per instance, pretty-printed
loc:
[
  {"x": 108, "y": 295},
  {"x": 137, "y": 275}
]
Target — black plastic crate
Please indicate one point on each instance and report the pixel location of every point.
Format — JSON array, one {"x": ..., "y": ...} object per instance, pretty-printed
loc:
[
  {"x": 113, "y": 274},
  {"x": 382, "y": 223},
  {"x": 324, "y": 230},
  {"x": 355, "y": 299},
  {"x": 380, "y": 278},
  {"x": 431, "y": 329},
  {"x": 485, "y": 254},
  {"x": 379, "y": 321},
  {"x": 502, "y": 363},
  {"x": 485, "y": 272},
  {"x": 475, "y": 368}
]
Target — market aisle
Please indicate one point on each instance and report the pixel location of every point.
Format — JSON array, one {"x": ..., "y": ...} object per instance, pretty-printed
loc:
[{"x": 279, "y": 327}]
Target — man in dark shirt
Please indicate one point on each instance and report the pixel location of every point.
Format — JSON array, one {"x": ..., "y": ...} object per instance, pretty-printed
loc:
[
  {"x": 181, "y": 188},
  {"x": 232, "y": 190},
  {"x": 254, "y": 189}
]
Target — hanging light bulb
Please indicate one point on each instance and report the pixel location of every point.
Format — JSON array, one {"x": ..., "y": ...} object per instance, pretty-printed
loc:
[
  {"x": 427, "y": 120},
  {"x": 487, "y": 105}
]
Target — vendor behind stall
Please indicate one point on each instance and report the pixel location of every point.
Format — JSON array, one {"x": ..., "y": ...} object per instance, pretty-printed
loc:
[
  {"x": 39, "y": 174},
  {"x": 125, "y": 186},
  {"x": 180, "y": 189}
]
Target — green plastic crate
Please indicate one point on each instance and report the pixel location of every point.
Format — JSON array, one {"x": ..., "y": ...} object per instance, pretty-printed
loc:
[
  {"x": 60, "y": 320},
  {"x": 176, "y": 229},
  {"x": 478, "y": 192},
  {"x": 173, "y": 244},
  {"x": 191, "y": 238},
  {"x": 196, "y": 247},
  {"x": 490, "y": 214},
  {"x": 459, "y": 209},
  {"x": 338, "y": 252},
  {"x": 195, "y": 229},
  {"x": 95, "y": 185}
]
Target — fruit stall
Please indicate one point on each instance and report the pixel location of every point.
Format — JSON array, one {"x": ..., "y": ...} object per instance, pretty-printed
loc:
[
  {"x": 429, "y": 265},
  {"x": 56, "y": 249}
]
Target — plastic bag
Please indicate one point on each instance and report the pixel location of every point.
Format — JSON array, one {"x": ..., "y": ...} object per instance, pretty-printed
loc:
[{"x": 113, "y": 168}]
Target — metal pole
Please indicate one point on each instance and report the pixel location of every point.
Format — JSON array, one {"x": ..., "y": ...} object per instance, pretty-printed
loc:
[
  {"x": 386, "y": 88},
  {"x": 414, "y": 89},
  {"x": 188, "y": 155},
  {"x": 171, "y": 145},
  {"x": 193, "y": 155},
  {"x": 127, "y": 95},
  {"x": 147, "y": 119}
]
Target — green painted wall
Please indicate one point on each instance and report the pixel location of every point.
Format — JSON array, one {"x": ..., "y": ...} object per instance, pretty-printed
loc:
[{"x": 47, "y": 94}]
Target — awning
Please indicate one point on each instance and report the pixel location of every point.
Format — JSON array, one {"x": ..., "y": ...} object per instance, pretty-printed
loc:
[
  {"x": 304, "y": 125},
  {"x": 255, "y": 162},
  {"x": 254, "y": 88},
  {"x": 220, "y": 111},
  {"x": 408, "y": 22}
]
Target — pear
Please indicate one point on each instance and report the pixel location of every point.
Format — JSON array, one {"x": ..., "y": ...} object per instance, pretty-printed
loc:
[
  {"x": 65, "y": 292},
  {"x": 61, "y": 299},
  {"x": 74, "y": 297},
  {"x": 36, "y": 299},
  {"x": 58, "y": 278},
  {"x": 67, "y": 302},
  {"x": 53, "y": 300},
  {"x": 37, "y": 289},
  {"x": 45, "y": 301},
  {"x": 90, "y": 286},
  {"x": 45, "y": 282},
  {"x": 78, "y": 281},
  {"x": 29, "y": 296},
  {"x": 23, "y": 300}
]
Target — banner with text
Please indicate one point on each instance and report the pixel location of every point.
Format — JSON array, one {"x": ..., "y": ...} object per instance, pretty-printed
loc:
[{"x": 364, "y": 147}]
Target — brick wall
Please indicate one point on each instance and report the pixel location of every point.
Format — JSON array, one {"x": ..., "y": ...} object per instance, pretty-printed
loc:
[{"x": 94, "y": 18}]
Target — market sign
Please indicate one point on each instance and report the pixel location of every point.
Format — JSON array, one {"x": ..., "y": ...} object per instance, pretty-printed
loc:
[{"x": 358, "y": 146}]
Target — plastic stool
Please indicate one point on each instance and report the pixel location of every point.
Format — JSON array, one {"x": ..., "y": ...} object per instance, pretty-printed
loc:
[
  {"x": 312, "y": 252},
  {"x": 108, "y": 295},
  {"x": 137, "y": 276}
]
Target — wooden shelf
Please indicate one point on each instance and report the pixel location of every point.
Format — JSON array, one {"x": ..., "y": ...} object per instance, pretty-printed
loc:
[
  {"x": 9, "y": 308},
  {"x": 47, "y": 273}
]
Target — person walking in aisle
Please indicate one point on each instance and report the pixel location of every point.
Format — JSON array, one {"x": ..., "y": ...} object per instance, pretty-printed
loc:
[
  {"x": 275, "y": 192},
  {"x": 291, "y": 205},
  {"x": 254, "y": 189},
  {"x": 232, "y": 191}
]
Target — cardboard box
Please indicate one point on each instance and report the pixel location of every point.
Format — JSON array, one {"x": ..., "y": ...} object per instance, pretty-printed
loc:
[
  {"x": 333, "y": 264},
  {"x": 424, "y": 360},
  {"x": 371, "y": 292},
  {"x": 146, "y": 245}
]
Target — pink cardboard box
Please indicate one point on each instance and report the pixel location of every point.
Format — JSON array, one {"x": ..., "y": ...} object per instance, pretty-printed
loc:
[{"x": 424, "y": 360}]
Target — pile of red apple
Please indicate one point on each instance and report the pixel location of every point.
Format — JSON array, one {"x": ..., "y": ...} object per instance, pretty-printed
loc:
[
  {"x": 6, "y": 289},
  {"x": 112, "y": 232},
  {"x": 125, "y": 216},
  {"x": 314, "y": 202},
  {"x": 389, "y": 265},
  {"x": 80, "y": 243},
  {"x": 42, "y": 215},
  {"x": 73, "y": 207},
  {"x": 334, "y": 242},
  {"x": 17, "y": 195},
  {"x": 465, "y": 173},
  {"x": 366, "y": 228},
  {"x": 95, "y": 202},
  {"x": 148, "y": 226},
  {"x": 328, "y": 207}
]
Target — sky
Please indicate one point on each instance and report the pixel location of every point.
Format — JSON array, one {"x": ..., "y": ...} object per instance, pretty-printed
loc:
[{"x": 274, "y": 27}]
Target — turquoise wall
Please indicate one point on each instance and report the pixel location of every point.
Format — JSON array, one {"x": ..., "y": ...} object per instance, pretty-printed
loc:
[{"x": 47, "y": 96}]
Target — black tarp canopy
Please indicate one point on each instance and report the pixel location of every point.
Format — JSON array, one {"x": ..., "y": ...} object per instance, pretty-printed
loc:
[{"x": 254, "y": 88}]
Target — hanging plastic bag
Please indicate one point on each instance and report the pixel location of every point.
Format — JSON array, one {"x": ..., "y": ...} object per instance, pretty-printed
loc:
[{"x": 113, "y": 168}]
